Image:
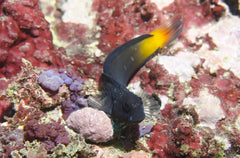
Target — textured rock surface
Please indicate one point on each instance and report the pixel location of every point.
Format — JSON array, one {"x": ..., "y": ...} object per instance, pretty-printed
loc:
[
  {"x": 208, "y": 108},
  {"x": 176, "y": 66},
  {"x": 225, "y": 55},
  {"x": 24, "y": 34},
  {"x": 72, "y": 14},
  {"x": 93, "y": 124},
  {"x": 136, "y": 154}
]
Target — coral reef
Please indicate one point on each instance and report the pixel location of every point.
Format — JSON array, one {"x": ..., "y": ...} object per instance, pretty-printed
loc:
[
  {"x": 43, "y": 135},
  {"x": 208, "y": 115},
  {"x": 77, "y": 148},
  {"x": 175, "y": 136},
  {"x": 49, "y": 134},
  {"x": 25, "y": 34},
  {"x": 49, "y": 67},
  {"x": 212, "y": 94},
  {"x": 5, "y": 106},
  {"x": 10, "y": 140},
  {"x": 26, "y": 91},
  {"x": 198, "y": 13},
  {"x": 129, "y": 19},
  {"x": 159, "y": 81},
  {"x": 124, "y": 21},
  {"x": 224, "y": 86},
  {"x": 33, "y": 149},
  {"x": 91, "y": 123}
]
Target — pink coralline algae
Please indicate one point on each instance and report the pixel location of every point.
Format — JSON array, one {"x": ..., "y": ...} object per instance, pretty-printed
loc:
[
  {"x": 224, "y": 84},
  {"x": 177, "y": 132},
  {"x": 48, "y": 134},
  {"x": 194, "y": 12},
  {"x": 230, "y": 128},
  {"x": 158, "y": 80},
  {"x": 125, "y": 21},
  {"x": 138, "y": 17},
  {"x": 175, "y": 135},
  {"x": 72, "y": 33},
  {"x": 25, "y": 34},
  {"x": 91, "y": 123},
  {"x": 89, "y": 70}
]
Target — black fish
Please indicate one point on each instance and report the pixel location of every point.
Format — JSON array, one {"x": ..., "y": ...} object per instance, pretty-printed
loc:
[{"x": 123, "y": 63}]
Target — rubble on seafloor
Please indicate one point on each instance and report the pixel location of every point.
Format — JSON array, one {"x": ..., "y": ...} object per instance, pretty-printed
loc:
[{"x": 51, "y": 59}]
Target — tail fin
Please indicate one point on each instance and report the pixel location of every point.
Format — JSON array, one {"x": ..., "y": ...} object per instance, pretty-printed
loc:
[
  {"x": 163, "y": 35},
  {"x": 173, "y": 28}
]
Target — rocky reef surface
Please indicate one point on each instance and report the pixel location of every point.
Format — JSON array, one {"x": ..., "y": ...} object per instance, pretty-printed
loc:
[{"x": 51, "y": 59}]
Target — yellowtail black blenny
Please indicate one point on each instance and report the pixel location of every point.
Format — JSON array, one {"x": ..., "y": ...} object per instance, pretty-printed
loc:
[{"x": 123, "y": 63}]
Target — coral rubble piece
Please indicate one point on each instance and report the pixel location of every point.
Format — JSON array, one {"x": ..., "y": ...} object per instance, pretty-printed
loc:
[{"x": 91, "y": 123}]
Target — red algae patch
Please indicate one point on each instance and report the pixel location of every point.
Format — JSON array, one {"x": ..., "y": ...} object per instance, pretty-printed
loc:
[
  {"x": 197, "y": 13},
  {"x": 120, "y": 24},
  {"x": 24, "y": 34}
]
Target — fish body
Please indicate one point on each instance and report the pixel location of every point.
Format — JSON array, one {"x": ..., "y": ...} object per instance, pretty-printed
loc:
[
  {"x": 123, "y": 63},
  {"x": 125, "y": 105}
]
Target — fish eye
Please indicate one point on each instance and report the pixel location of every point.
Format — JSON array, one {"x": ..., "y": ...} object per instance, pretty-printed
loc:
[{"x": 126, "y": 107}]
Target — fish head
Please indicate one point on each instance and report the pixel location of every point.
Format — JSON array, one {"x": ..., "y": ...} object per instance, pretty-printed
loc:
[{"x": 128, "y": 108}]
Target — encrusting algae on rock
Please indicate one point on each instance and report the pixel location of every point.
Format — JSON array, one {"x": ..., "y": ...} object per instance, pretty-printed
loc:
[
  {"x": 87, "y": 120},
  {"x": 203, "y": 62}
]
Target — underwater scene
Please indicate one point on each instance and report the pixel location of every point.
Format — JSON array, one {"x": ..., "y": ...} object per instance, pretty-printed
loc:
[{"x": 120, "y": 79}]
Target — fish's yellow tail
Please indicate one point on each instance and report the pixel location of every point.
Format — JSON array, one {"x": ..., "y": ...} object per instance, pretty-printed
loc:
[
  {"x": 127, "y": 59},
  {"x": 161, "y": 36}
]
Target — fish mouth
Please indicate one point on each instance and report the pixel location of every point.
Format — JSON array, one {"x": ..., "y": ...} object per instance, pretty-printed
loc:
[{"x": 137, "y": 117}]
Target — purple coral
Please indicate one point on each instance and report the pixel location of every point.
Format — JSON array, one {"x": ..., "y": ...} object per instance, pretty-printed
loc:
[
  {"x": 81, "y": 102},
  {"x": 76, "y": 85},
  {"x": 67, "y": 80},
  {"x": 91, "y": 123},
  {"x": 50, "y": 80},
  {"x": 68, "y": 107},
  {"x": 145, "y": 128}
]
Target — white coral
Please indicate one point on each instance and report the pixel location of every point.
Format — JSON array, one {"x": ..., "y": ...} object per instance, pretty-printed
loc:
[{"x": 208, "y": 108}]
